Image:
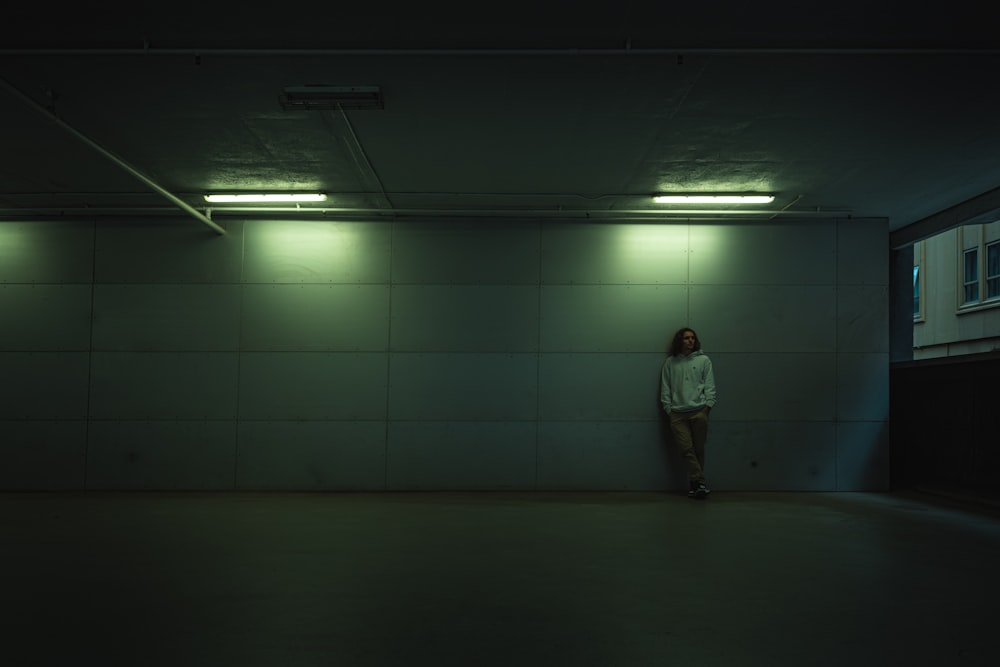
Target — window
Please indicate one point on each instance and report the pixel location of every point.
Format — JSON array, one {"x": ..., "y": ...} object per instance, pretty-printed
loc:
[
  {"x": 971, "y": 276},
  {"x": 919, "y": 280},
  {"x": 993, "y": 270},
  {"x": 979, "y": 266}
]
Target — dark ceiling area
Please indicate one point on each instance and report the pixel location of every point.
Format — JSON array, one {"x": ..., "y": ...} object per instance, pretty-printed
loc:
[{"x": 546, "y": 111}]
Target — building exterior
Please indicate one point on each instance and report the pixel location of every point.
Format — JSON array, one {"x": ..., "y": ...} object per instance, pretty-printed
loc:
[{"x": 956, "y": 292}]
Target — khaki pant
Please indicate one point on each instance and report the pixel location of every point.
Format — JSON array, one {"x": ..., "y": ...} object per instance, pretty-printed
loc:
[{"x": 690, "y": 431}]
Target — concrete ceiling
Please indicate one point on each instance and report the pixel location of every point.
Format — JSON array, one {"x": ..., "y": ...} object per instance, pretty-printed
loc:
[{"x": 557, "y": 111}]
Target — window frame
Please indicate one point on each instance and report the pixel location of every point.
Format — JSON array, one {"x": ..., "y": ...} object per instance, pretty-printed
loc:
[
  {"x": 981, "y": 282},
  {"x": 991, "y": 279},
  {"x": 967, "y": 283},
  {"x": 919, "y": 281}
]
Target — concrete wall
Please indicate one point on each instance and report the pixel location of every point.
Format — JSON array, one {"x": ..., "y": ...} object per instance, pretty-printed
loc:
[{"x": 415, "y": 355}]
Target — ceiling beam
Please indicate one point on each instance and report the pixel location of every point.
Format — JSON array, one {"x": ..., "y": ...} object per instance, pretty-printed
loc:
[{"x": 982, "y": 208}]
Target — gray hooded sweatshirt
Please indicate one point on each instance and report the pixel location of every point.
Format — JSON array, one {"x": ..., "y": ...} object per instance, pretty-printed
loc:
[{"x": 687, "y": 383}]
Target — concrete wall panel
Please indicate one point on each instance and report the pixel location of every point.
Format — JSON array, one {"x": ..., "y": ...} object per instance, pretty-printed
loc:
[
  {"x": 312, "y": 385},
  {"x": 163, "y": 385},
  {"x": 595, "y": 455},
  {"x": 45, "y": 317},
  {"x": 315, "y": 318},
  {"x": 463, "y": 387},
  {"x": 862, "y": 318},
  {"x": 465, "y": 318},
  {"x": 597, "y": 387},
  {"x": 619, "y": 254},
  {"x": 768, "y": 455},
  {"x": 43, "y": 385},
  {"x": 176, "y": 251},
  {"x": 45, "y": 455},
  {"x": 161, "y": 455},
  {"x": 863, "y": 252},
  {"x": 773, "y": 386},
  {"x": 862, "y": 387},
  {"x": 749, "y": 253},
  {"x": 157, "y": 317},
  {"x": 297, "y": 251},
  {"x": 461, "y": 456},
  {"x": 765, "y": 318},
  {"x": 460, "y": 253},
  {"x": 863, "y": 456},
  {"x": 610, "y": 318},
  {"x": 46, "y": 252},
  {"x": 311, "y": 456}
]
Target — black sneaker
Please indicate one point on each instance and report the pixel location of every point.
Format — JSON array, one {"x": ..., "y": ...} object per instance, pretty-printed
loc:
[
  {"x": 700, "y": 491},
  {"x": 692, "y": 489}
]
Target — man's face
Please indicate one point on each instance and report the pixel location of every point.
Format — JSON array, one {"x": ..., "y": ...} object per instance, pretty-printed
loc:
[{"x": 688, "y": 340}]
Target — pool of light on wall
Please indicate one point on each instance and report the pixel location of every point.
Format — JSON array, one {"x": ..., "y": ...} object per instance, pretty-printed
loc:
[
  {"x": 662, "y": 253},
  {"x": 654, "y": 253},
  {"x": 18, "y": 248},
  {"x": 298, "y": 250},
  {"x": 13, "y": 235}
]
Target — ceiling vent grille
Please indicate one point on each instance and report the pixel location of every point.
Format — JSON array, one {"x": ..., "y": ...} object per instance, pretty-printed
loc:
[{"x": 324, "y": 98}]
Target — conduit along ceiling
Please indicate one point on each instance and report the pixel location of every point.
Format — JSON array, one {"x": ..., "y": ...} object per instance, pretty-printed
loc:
[{"x": 583, "y": 113}]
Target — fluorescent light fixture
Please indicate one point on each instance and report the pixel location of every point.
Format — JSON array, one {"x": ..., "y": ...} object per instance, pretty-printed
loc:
[
  {"x": 713, "y": 199},
  {"x": 313, "y": 97},
  {"x": 265, "y": 198}
]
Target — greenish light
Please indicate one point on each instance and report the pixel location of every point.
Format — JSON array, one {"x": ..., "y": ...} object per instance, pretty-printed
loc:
[
  {"x": 264, "y": 198},
  {"x": 713, "y": 199}
]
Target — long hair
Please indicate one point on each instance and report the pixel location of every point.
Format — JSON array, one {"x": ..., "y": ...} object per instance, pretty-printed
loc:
[{"x": 677, "y": 345}]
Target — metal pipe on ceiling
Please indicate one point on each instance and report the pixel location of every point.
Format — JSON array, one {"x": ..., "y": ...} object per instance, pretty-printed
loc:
[
  {"x": 283, "y": 213},
  {"x": 624, "y": 51},
  {"x": 111, "y": 156}
]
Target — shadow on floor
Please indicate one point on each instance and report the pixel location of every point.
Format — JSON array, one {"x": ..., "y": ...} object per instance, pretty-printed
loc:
[{"x": 520, "y": 579}]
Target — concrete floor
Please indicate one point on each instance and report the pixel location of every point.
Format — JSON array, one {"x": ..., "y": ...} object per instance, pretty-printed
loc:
[{"x": 519, "y": 579}]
